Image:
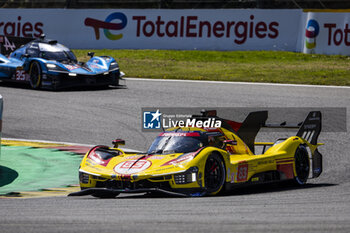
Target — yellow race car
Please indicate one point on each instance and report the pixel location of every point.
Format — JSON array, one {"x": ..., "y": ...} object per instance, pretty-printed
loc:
[{"x": 198, "y": 161}]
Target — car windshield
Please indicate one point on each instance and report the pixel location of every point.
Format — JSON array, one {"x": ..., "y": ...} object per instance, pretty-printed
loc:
[
  {"x": 174, "y": 142},
  {"x": 56, "y": 52}
]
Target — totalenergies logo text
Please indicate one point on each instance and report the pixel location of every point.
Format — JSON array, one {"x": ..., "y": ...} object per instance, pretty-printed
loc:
[
  {"x": 312, "y": 30},
  {"x": 107, "y": 25}
]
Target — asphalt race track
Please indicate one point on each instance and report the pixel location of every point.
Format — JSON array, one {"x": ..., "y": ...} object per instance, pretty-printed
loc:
[{"x": 98, "y": 116}]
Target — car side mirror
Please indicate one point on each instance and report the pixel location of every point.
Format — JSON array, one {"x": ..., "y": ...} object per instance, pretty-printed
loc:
[
  {"x": 230, "y": 143},
  {"x": 118, "y": 142},
  {"x": 91, "y": 54}
]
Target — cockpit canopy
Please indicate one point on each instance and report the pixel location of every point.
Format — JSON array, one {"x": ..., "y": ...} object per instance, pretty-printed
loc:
[
  {"x": 50, "y": 51},
  {"x": 184, "y": 141}
]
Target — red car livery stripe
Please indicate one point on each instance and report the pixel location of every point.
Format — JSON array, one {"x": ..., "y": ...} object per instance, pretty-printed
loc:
[
  {"x": 286, "y": 166},
  {"x": 286, "y": 160}
]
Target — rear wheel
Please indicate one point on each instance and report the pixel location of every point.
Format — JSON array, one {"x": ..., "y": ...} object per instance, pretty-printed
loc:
[
  {"x": 302, "y": 165},
  {"x": 35, "y": 75},
  {"x": 214, "y": 174}
]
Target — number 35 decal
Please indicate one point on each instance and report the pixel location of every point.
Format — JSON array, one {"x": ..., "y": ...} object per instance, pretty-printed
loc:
[
  {"x": 242, "y": 173},
  {"x": 21, "y": 75}
]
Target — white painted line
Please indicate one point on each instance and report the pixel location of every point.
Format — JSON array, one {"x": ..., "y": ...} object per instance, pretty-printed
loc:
[
  {"x": 235, "y": 83},
  {"x": 63, "y": 143}
]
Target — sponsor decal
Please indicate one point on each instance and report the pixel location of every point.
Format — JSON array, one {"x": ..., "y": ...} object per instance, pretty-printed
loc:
[
  {"x": 255, "y": 179},
  {"x": 285, "y": 160},
  {"x": 72, "y": 67},
  {"x": 125, "y": 177},
  {"x": 232, "y": 177},
  {"x": 155, "y": 157},
  {"x": 95, "y": 66},
  {"x": 132, "y": 166},
  {"x": 338, "y": 35},
  {"x": 264, "y": 162},
  {"x": 174, "y": 134},
  {"x": 312, "y": 31},
  {"x": 134, "y": 157},
  {"x": 8, "y": 44},
  {"x": 192, "y": 27},
  {"x": 21, "y": 28},
  {"x": 334, "y": 34},
  {"x": 317, "y": 170},
  {"x": 182, "y": 158},
  {"x": 108, "y": 25}
]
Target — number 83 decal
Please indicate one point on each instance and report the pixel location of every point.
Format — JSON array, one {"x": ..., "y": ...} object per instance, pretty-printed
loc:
[{"x": 242, "y": 173}]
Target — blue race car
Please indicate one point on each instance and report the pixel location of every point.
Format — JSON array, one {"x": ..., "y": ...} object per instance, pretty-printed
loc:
[{"x": 46, "y": 64}]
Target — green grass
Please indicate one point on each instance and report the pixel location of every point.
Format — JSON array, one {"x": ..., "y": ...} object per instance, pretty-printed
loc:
[{"x": 246, "y": 66}]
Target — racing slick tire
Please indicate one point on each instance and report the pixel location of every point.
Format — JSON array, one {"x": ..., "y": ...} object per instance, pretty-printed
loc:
[
  {"x": 214, "y": 174},
  {"x": 35, "y": 75},
  {"x": 301, "y": 165}
]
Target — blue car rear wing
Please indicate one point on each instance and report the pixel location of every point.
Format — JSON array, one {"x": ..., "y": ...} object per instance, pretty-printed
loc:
[{"x": 8, "y": 44}]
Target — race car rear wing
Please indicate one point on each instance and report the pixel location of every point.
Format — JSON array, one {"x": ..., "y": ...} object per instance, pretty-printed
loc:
[
  {"x": 247, "y": 130},
  {"x": 309, "y": 129},
  {"x": 8, "y": 44}
]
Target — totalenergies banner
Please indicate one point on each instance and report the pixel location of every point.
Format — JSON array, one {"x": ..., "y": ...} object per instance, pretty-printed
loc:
[
  {"x": 158, "y": 29},
  {"x": 219, "y": 29},
  {"x": 326, "y": 33}
]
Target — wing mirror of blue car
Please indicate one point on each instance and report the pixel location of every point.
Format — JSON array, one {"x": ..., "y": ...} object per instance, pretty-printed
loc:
[
  {"x": 118, "y": 142},
  {"x": 91, "y": 54}
]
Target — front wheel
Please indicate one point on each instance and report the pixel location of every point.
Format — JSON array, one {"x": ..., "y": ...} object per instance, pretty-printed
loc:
[
  {"x": 214, "y": 174},
  {"x": 301, "y": 165},
  {"x": 35, "y": 75}
]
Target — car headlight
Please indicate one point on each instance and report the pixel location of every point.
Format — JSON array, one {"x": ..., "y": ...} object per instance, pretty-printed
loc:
[
  {"x": 186, "y": 177},
  {"x": 83, "y": 177},
  {"x": 113, "y": 66},
  {"x": 54, "y": 67}
]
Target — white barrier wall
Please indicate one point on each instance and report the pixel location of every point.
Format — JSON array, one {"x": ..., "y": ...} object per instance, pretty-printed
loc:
[
  {"x": 220, "y": 29},
  {"x": 158, "y": 29},
  {"x": 326, "y": 33}
]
